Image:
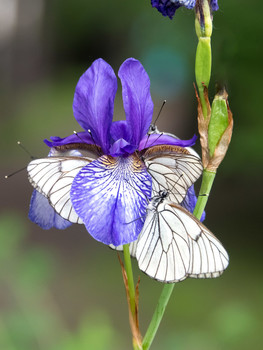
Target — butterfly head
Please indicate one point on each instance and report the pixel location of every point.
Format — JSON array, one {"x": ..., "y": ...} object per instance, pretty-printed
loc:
[
  {"x": 158, "y": 199},
  {"x": 153, "y": 130},
  {"x": 163, "y": 194}
]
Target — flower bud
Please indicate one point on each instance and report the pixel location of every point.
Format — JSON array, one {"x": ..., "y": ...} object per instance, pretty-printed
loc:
[
  {"x": 218, "y": 121},
  {"x": 215, "y": 130},
  {"x": 203, "y": 19},
  {"x": 203, "y": 60}
]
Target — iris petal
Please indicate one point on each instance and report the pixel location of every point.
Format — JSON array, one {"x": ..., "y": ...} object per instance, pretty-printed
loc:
[
  {"x": 166, "y": 7},
  {"x": 110, "y": 195},
  {"x": 81, "y": 137},
  {"x": 41, "y": 213},
  {"x": 121, "y": 148},
  {"x": 120, "y": 130},
  {"x": 214, "y": 5},
  {"x": 93, "y": 102},
  {"x": 137, "y": 99},
  {"x": 163, "y": 139}
]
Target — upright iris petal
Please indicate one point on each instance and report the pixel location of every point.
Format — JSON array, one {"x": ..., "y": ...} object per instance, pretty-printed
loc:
[
  {"x": 137, "y": 99},
  {"x": 94, "y": 101}
]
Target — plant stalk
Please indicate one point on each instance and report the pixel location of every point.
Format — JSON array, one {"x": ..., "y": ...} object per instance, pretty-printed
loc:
[
  {"x": 157, "y": 316},
  {"x": 207, "y": 182},
  {"x": 128, "y": 268}
]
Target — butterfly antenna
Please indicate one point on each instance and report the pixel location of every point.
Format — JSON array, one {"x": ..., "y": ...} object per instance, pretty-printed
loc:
[
  {"x": 137, "y": 190},
  {"x": 139, "y": 218},
  {"x": 27, "y": 152},
  {"x": 160, "y": 111},
  {"x": 148, "y": 135},
  {"x": 98, "y": 149},
  {"x": 24, "y": 149},
  {"x": 160, "y": 135},
  {"x": 89, "y": 131},
  {"x": 177, "y": 182},
  {"x": 174, "y": 184},
  {"x": 152, "y": 126},
  {"x": 81, "y": 139},
  {"x": 15, "y": 172}
]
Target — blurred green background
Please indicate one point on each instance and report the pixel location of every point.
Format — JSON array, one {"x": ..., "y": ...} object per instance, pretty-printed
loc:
[{"x": 62, "y": 289}]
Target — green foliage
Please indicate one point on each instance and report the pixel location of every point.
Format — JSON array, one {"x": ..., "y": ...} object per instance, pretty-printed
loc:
[
  {"x": 94, "y": 332},
  {"x": 30, "y": 317}
]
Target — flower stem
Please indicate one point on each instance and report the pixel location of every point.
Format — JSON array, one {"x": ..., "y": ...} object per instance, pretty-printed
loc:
[
  {"x": 157, "y": 316},
  {"x": 203, "y": 72},
  {"x": 128, "y": 268},
  {"x": 207, "y": 182}
]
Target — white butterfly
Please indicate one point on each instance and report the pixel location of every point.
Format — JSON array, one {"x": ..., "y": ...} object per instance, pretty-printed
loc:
[
  {"x": 171, "y": 167},
  {"x": 174, "y": 245},
  {"x": 53, "y": 176}
]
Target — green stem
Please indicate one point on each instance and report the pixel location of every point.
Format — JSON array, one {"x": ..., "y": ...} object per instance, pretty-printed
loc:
[
  {"x": 137, "y": 347},
  {"x": 207, "y": 182},
  {"x": 203, "y": 64},
  {"x": 128, "y": 268},
  {"x": 157, "y": 316}
]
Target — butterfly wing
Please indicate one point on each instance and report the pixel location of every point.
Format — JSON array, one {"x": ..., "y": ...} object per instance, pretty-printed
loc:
[
  {"x": 174, "y": 245},
  {"x": 132, "y": 248},
  {"x": 173, "y": 169},
  {"x": 53, "y": 177}
]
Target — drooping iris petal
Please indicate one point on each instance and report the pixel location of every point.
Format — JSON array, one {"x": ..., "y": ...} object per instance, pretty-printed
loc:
[
  {"x": 137, "y": 99},
  {"x": 81, "y": 137},
  {"x": 93, "y": 102},
  {"x": 163, "y": 139},
  {"x": 190, "y": 200},
  {"x": 110, "y": 196},
  {"x": 41, "y": 213}
]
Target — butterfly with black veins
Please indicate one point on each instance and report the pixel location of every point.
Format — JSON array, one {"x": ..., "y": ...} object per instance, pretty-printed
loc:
[
  {"x": 172, "y": 168},
  {"x": 52, "y": 177},
  {"x": 174, "y": 245}
]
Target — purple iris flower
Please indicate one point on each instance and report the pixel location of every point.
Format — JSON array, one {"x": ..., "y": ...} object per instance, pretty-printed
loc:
[
  {"x": 168, "y": 7},
  {"x": 110, "y": 193}
]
